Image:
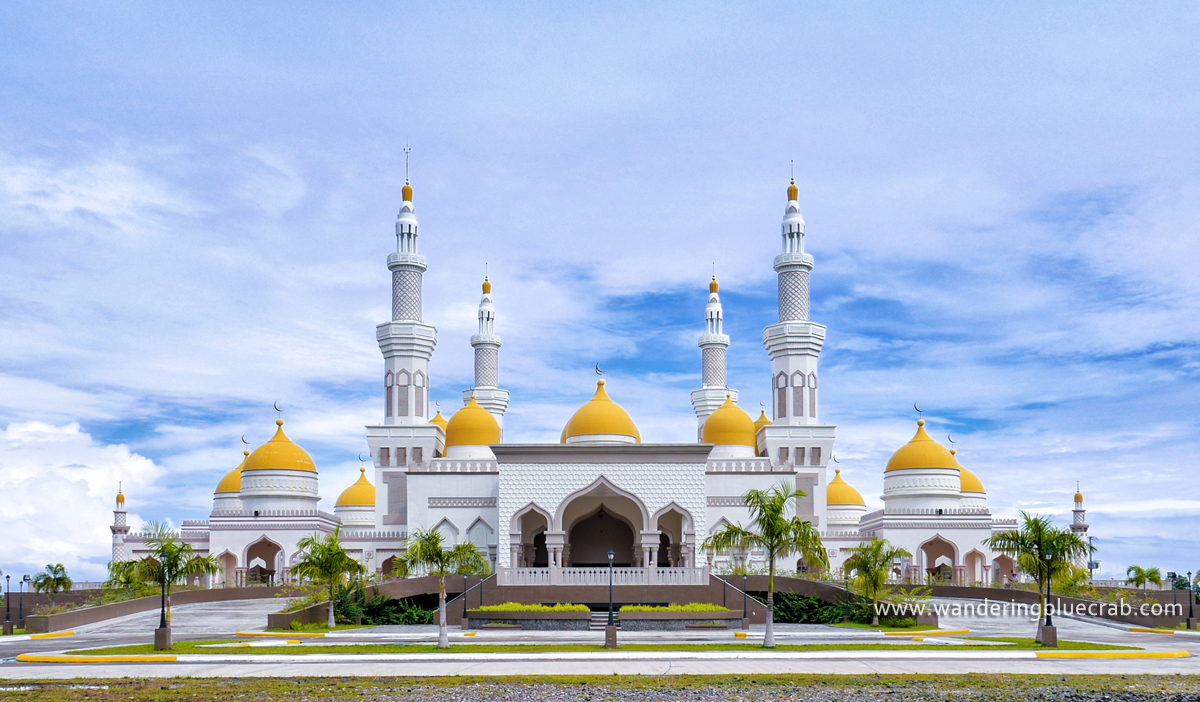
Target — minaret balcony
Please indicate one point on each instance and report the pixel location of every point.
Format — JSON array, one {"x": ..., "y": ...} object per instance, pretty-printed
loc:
[
  {"x": 407, "y": 260},
  {"x": 794, "y": 260}
]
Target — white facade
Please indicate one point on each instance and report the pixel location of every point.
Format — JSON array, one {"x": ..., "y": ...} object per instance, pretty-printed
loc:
[{"x": 551, "y": 513}]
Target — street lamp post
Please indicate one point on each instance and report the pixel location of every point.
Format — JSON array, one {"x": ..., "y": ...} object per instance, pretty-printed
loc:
[
  {"x": 610, "y": 588},
  {"x": 24, "y": 581},
  {"x": 8, "y": 603},
  {"x": 1048, "y": 558},
  {"x": 610, "y": 631},
  {"x": 745, "y": 602},
  {"x": 1191, "y": 601}
]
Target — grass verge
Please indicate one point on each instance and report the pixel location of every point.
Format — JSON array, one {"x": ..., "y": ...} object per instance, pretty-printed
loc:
[
  {"x": 195, "y": 647},
  {"x": 856, "y": 625}
]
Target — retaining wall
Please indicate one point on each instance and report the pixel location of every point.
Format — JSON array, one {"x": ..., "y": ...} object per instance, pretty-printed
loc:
[{"x": 91, "y": 615}]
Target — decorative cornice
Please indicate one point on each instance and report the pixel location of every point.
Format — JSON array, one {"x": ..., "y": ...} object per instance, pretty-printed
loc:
[{"x": 462, "y": 502}]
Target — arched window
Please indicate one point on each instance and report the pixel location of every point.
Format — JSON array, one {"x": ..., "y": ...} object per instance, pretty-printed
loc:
[
  {"x": 812, "y": 395},
  {"x": 797, "y": 394},
  {"x": 388, "y": 380},
  {"x": 402, "y": 392},
  {"x": 419, "y": 394},
  {"x": 781, "y": 396}
]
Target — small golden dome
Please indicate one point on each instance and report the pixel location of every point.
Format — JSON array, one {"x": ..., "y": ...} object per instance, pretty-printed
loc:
[
  {"x": 713, "y": 286},
  {"x": 729, "y": 426},
  {"x": 840, "y": 492},
  {"x": 232, "y": 482},
  {"x": 793, "y": 191},
  {"x": 922, "y": 452},
  {"x": 970, "y": 481},
  {"x": 120, "y": 498},
  {"x": 761, "y": 422},
  {"x": 280, "y": 453},
  {"x": 487, "y": 286},
  {"x": 439, "y": 420},
  {"x": 407, "y": 192},
  {"x": 360, "y": 494},
  {"x": 600, "y": 415},
  {"x": 1078, "y": 496},
  {"x": 472, "y": 426}
]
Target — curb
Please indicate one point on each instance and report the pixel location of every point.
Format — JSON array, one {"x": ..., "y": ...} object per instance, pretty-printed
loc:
[
  {"x": 281, "y": 634},
  {"x": 51, "y": 658},
  {"x": 1114, "y": 654},
  {"x": 935, "y": 632}
]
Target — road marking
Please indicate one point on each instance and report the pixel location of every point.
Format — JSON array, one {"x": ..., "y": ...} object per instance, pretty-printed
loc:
[
  {"x": 281, "y": 634},
  {"x": 1114, "y": 654},
  {"x": 53, "y": 635},
  {"x": 1147, "y": 630},
  {"x": 935, "y": 632}
]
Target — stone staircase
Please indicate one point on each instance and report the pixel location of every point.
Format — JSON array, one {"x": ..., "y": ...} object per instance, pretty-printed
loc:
[{"x": 600, "y": 620}]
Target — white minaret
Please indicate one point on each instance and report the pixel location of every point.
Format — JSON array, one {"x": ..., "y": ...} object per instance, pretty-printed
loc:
[
  {"x": 407, "y": 342},
  {"x": 1079, "y": 525},
  {"x": 405, "y": 438},
  {"x": 119, "y": 528},
  {"x": 487, "y": 342},
  {"x": 795, "y": 343},
  {"x": 713, "y": 344}
]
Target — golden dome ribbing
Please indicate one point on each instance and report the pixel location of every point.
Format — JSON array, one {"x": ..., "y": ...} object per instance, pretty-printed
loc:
[
  {"x": 472, "y": 426},
  {"x": 487, "y": 286},
  {"x": 280, "y": 453},
  {"x": 360, "y": 494},
  {"x": 729, "y": 425},
  {"x": 600, "y": 415},
  {"x": 407, "y": 192},
  {"x": 922, "y": 452},
  {"x": 714, "y": 286},
  {"x": 761, "y": 422},
  {"x": 793, "y": 191},
  {"x": 840, "y": 492},
  {"x": 232, "y": 482},
  {"x": 439, "y": 420}
]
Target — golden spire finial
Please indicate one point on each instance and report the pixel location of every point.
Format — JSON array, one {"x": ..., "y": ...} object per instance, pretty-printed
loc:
[
  {"x": 408, "y": 192},
  {"x": 487, "y": 284},
  {"x": 714, "y": 286}
]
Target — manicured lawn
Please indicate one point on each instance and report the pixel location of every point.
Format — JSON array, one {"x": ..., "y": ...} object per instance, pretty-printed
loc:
[
  {"x": 195, "y": 647},
  {"x": 321, "y": 628},
  {"x": 856, "y": 625}
]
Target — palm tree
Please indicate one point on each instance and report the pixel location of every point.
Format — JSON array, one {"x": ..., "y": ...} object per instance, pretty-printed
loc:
[
  {"x": 1041, "y": 549},
  {"x": 425, "y": 553},
  {"x": 872, "y": 563},
  {"x": 174, "y": 561},
  {"x": 773, "y": 531},
  {"x": 52, "y": 581},
  {"x": 326, "y": 562},
  {"x": 1139, "y": 576}
]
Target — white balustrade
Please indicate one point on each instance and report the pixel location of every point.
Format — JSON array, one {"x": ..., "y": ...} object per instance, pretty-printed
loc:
[{"x": 600, "y": 576}]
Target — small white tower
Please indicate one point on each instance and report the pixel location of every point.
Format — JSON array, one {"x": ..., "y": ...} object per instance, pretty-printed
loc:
[
  {"x": 713, "y": 345},
  {"x": 487, "y": 342},
  {"x": 1079, "y": 525},
  {"x": 795, "y": 343},
  {"x": 119, "y": 528}
]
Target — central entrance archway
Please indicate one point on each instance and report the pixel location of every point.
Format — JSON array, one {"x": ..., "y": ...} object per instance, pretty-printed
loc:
[
  {"x": 600, "y": 518},
  {"x": 593, "y": 537}
]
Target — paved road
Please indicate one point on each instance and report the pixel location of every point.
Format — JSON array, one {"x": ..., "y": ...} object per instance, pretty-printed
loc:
[{"x": 225, "y": 619}]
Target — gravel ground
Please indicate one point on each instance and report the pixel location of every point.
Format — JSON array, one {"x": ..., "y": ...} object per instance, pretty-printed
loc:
[{"x": 844, "y": 689}]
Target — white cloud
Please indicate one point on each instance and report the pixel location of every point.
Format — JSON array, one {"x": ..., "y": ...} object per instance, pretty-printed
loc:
[{"x": 60, "y": 487}]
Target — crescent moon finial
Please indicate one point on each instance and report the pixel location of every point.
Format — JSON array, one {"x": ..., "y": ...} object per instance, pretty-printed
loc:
[
  {"x": 950, "y": 438},
  {"x": 244, "y": 440},
  {"x": 834, "y": 459},
  {"x": 918, "y": 409},
  {"x": 361, "y": 459},
  {"x": 598, "y": 371},
  {"x": 276, "y": 406}
]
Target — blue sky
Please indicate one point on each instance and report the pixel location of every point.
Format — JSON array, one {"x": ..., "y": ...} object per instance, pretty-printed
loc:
[{"x": 196, "y": 203}]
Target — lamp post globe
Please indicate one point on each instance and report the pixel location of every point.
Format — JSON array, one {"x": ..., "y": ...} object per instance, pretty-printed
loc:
[{"x": 611, "y": 555}]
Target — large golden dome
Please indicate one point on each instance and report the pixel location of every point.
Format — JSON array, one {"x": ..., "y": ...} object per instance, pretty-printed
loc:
[
  {"x": 232, "y": 482},
  {"x": 280, "y": 453},
  {"x": 840, "y": 492},
  {"x": 729, "y": 425},
  {"x": 472, "y": 426},
  {"x": 360, "y": 494},
  {"x": 922, "y": 452},
  {"x": 600, "y": 415}
]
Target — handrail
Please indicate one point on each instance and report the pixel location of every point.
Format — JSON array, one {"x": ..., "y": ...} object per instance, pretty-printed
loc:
[
  {"x": 735, "y": 587},
  {"x": 464, "y": 592}
]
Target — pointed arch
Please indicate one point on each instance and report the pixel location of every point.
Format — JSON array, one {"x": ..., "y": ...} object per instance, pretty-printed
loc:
[
  {"x": 419, "y": 394},
  {"x": 480, "y": 533},
  {"x": 812, "y": 395},
  {"x": 688, "y": 522},
  {"x": 449, "y": 531},
  {"x": 798, "y": 394},
  {"x": 403, "y": 380},
  {"x": 781, "y": 384},
  {"x": 515, "y": 526},
  {"x": 603, "y": 487}
]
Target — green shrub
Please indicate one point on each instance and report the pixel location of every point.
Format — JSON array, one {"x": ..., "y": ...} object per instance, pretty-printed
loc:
[
  {"x": 689, "y": 607},
  {"x": 519, "y": 607}
]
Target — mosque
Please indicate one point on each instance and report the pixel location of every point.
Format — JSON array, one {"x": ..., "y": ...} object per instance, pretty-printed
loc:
[{"x": 547, "y": 514}]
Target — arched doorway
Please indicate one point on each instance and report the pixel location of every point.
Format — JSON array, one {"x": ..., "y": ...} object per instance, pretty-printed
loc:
[
  {"x": 976, "y": 564},
  {"x": 939, "y": 559},
  {"x": 531, "y": 523},
  {"x": 228, "y": 563},
  {"x": 676, "y": 537},
  {"x": 261, "y": 560},
  {"x": 592, "y": 537},
  {"x": 600, "y": 518},
  {"x": 1004, "y": 570}
]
